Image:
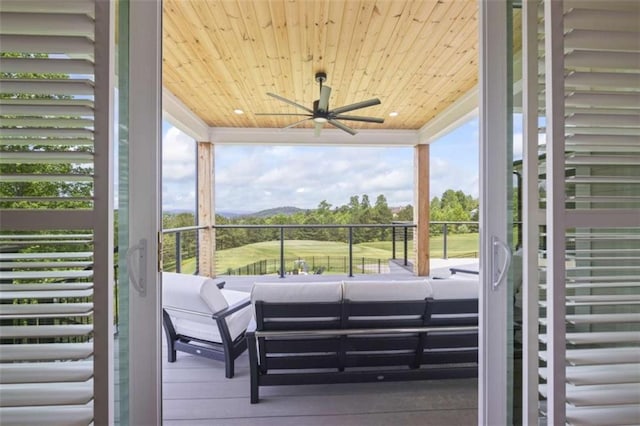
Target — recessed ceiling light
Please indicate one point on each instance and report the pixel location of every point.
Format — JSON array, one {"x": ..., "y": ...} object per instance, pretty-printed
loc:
[
  {"x": 238, "y": 111},
  {"x": 393, "y": 114}
]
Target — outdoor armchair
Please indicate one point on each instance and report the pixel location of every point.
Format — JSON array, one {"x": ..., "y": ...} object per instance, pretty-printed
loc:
[{"x": 200, "y": 317}]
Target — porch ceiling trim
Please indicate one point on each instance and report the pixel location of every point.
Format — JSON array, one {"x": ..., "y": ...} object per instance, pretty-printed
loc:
[
  {"x": 463, "y": 109},
  {"x": 179, "y": 115},
  {"x": 271, "y": 136}
]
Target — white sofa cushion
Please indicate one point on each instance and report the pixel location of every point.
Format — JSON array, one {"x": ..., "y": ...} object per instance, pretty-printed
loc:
[
  {"x": 213, "y": 296},
  {"x": 297, "y": 292},
  {"x": 183, "y": 291},
  {"x": 368, "y": 291},
  {"x": 453, "y": 288}
]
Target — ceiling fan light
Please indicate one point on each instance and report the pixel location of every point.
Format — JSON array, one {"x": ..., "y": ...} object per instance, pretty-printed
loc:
[
  {"x": 238, "y": 111},
  {"x": 393, "y": 114},
  {"x": 320, "y": 119}
]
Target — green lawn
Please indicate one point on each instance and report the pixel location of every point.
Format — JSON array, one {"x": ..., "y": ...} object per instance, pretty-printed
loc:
[{"x": 458, "y": 245}]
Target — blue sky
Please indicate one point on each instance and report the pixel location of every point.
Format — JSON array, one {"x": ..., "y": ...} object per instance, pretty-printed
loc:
[{"x": 252, "y": 178}]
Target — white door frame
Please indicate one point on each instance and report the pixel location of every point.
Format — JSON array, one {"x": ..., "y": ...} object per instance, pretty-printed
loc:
[
  {"x": 493, "y": 103},
  {"x": 145, "y": 135}
]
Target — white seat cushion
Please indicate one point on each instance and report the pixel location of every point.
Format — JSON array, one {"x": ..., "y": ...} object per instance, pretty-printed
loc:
[
  {"x": 367, "y": 291},
  {"x": 455, "y": 288}
]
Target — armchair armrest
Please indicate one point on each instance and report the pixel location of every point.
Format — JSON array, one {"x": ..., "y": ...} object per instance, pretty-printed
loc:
[
  {"x": 223, "y": 313},
  {"x": 221, "y": 284}
]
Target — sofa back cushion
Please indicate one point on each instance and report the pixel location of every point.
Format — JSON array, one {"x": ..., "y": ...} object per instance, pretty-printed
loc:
[
  {"x": 296, "y": 292},
  {"x": 452, "y": 288},
  {"x": 369, "y": 291},
  {"x": 322, "y": 310}
]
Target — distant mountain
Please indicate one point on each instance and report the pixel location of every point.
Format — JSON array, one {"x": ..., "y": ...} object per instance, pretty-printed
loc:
[
  {"x": 232, "y": 214},
  {"x": 286, "y": 210}
]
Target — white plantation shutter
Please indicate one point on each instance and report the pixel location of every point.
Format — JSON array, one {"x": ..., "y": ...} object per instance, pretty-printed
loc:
[
  {"x": 589, "y": 353},
  {"x": 55, "y": 212}
]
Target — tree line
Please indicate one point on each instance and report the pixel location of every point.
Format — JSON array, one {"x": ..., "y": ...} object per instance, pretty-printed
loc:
[{"x": 451, "y": 206}]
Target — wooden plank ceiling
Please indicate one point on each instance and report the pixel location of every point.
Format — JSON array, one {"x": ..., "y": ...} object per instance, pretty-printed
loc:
[{"x": 417, "y": 57}]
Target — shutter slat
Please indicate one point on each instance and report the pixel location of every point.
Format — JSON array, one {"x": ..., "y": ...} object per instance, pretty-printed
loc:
[
  {"x": 46, "y": 44},
  {"x": 46, "y": 372},
  {"x": 34, "y": 394},
  {"x": 44, "y": 294},
  {"x": 47, "y": 87},
  {"x": 45, "y": 351},
  {"x": 46, "y": 24},
  {"x": 42, "y": 331},
  {"x": 64, "y": 122},
  {"x": 46, "y": 157},
  {"x": 47, "y": 66},
  {"x": 606, "y": 356},
  {"x": 46, "y": 133},
  {"x": 45, "y": 310},
  {"x": 45, "y": 178},
  {"x": 70, "y": 415},
  {"x": 618, "y": 81},
  {"x": 37, "y": 275},
  {"x": 602, "y": 60},
  {"x": 47, "y": 142},
  {"x": 617, "y": 41}
]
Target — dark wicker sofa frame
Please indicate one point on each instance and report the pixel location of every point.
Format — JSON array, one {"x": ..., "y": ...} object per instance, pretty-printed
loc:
[
  {"x": 362, "y": 342},
  {"x": 226, "y": 351}
]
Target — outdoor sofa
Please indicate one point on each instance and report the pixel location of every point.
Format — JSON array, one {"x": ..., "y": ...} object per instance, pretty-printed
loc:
[
  {"x": 200, "y": 317},
  {"x": 362, "y": 331}
]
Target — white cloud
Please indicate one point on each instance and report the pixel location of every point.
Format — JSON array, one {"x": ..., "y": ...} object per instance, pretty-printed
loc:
[
  {"x": 178, "y": 171},
  {"x": 252, "y": 178}
]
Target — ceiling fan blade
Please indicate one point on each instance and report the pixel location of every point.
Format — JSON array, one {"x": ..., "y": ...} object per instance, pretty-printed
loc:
[
  {"x": 296, "y": 123},
  {"x": 325, "y": 92},
  {"x": 358, "y": 105},
  {"x": 295, "y": 104},
  {"x": 281, "y": 113},
  {"x": 316, "y": 130},
  {"x": 359, "y": 118},
  {"x": 341, "y": 126}
]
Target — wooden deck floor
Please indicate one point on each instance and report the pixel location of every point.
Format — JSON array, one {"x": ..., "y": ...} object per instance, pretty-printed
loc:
[{"x": 195, "y": 392}]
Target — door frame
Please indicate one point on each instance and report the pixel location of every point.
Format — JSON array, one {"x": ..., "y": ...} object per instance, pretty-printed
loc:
[
  {"x": 494, "y": 124},
  {"x": 144, "y": 391}
]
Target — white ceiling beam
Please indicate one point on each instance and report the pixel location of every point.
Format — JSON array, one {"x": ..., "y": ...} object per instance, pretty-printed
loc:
[
  {"x": 179, "y": 115},
  {"x": 270, "y": 136}
]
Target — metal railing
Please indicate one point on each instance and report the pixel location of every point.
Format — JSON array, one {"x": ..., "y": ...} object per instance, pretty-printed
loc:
[{"x": 183, "y": 242}]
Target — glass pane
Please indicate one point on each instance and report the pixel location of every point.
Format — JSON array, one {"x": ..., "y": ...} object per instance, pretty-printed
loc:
[{"x": 122, "y": 217}]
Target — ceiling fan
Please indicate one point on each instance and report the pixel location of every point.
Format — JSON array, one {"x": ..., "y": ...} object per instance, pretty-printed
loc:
[{"x": 321, "y": 113}]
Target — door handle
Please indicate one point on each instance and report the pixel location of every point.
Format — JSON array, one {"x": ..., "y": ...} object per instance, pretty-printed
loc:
[
  {"x": 498, "y": 272},
  {"x": 138, "y": 280}
]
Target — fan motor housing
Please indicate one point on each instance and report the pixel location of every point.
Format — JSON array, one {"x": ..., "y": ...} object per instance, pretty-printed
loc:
[{"x": 321, "y": 77}]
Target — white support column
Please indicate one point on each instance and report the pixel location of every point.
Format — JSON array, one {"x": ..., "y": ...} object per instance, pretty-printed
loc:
[{"x": 556, "y": 217}]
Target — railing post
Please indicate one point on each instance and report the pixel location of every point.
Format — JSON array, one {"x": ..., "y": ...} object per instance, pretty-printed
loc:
[
  {"x": 444, "y": 240},
  {"x": 406, "y": 237},
  {"x": 393, "y": 242},
  {"x": 351, "y": 251},
  {"x": 281, "y": 252},
  {"x": 178, "y": 253}
]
